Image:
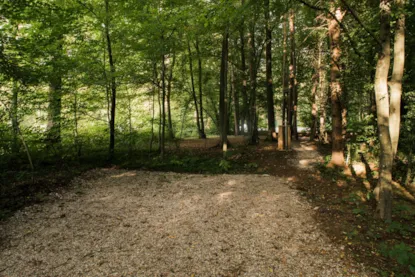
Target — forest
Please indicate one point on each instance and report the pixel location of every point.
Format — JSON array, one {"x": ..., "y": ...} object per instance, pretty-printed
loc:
[{"x": 318, "y": 95}]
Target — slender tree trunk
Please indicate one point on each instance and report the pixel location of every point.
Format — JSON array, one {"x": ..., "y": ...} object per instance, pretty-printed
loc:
[
  {"x": 293, "y": 77},
  {"x": 14, "y": 118},
  {"x": 130, "y": 126},
  {"x": 285, "y": 89},
  {"x": 194, "y": 90},
  {"x": 54, "y": 111},
  {"x": 397, "y": 76},
  {"x": 163, "y": 106},
  {"x": 235, "y": 103},
  {"x": 293, "y": 85},
  {"x": 268, "y": 58},
  {"x": 314, "y": 95},
  {"x": 253, "y": 131},
  {"x": 169, "y": 84},
  {"x": 200, "y": 75},
  {"x": 323, "y": 97},
  {"x": 384, "y": 189},
  {"x": 244, "y": 91},
  {"x": 155, "y": 89},
  {"x": 75, "y": 131},
  {"x": 337, "y": 156},
  {"x": 113, "y": 83},
  {"x": 223, "y": 111}
]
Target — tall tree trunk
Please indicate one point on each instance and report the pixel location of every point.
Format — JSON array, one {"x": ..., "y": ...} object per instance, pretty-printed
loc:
[
  {"x": 75, "y": 131},
  {"x": 169, "y": 84},
  {"x": 154, "y": 91},
  {"x": 235, "y": 98},
  {"x": 193, "y": 89},
  {"x": 253, "y": 130},
  {"x": 397, "y": 76},
  {"x": 314, "y": 94},
  {"x": 323, "y": 137},
  {"x": 384, "y": 189},
  {"x": 200, "y": 75},
  {"x": 163, "y": 105},
  {"x": 337, "y": 156},
  {"x": 292, "y": 118},
  {"x": 113, "y": 83},
  {"x": 14, "y": 118},
  {"x": 268, "y": 58},
  {"x": 244, "y": 91},
  {"x": 54, "y": 110},
  {"x": 223, "y": 107},
  {"x": 285, "y": 89}
]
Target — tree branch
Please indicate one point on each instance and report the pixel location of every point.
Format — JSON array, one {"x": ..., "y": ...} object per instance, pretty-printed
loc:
[
  {"x": 352, "y": 42},
  {"x": 354, "y": 14}
]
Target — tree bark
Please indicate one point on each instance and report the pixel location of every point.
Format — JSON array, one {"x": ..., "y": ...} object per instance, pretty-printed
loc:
[
  {"x": 163, "y": 106},
  {"x": 169, "y": 85},
  {"x": 14, "y": 118},
  {"x": 397, "y": 76},
  {"x": 193, "y": 89},
  {"x": 314, "y": 94},
  {"x": 337, "y": 154},
  {"x": 384, "y": 189},
  {"x": 269, "y": 83},
  {"x": 292, "y": 106},
  {"x": 285, "y": 80},
  {"x": 252, "y": 124},
  {"x": 235, "y": 97},
  {"x": 223, "y": 109},
  {"x": 244, "y": 91},
  {"x": 323, "y": 137},
  {"x": 113, "y": 83},
  {"x": 200, "y": 75}
]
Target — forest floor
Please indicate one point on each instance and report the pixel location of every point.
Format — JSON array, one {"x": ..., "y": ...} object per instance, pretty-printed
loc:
[{"x": 276, "y": 215}]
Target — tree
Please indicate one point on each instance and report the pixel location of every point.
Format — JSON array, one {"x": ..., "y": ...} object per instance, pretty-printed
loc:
[
  {"x": 337, "y": 154},
  {"x": 382, "y": 107},
  {"x": 269, "y": 83}
]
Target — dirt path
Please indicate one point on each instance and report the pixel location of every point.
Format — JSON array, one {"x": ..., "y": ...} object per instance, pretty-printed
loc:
[{"x": 134, "y": 223}]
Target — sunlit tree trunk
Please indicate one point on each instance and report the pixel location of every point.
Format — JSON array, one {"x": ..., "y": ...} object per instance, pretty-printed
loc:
[
  {"x": 285, "y": 79},
  {"x": 314, "y": 94},
  {"x": 323, "y": 99},
  {"x": 384, "y": 189},
  {"x": 292, "y": 99},
  {"x": 337, "y": 156},
  {"x": 223, "y": 107},
  {"x": 397, "y": 76},
  {"x": 268, "y": 58}
]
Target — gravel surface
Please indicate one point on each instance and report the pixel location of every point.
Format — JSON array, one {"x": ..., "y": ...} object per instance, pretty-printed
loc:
[{"x": 134, "y": 223}]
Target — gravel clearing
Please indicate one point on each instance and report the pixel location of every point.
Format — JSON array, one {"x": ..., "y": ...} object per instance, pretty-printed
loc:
[{"x": 135, "y": 223}]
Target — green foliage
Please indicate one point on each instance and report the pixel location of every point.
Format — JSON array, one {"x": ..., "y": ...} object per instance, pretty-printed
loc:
[
  {"x": 402, "y": 253},
  {"x": 225, "y": 165}
]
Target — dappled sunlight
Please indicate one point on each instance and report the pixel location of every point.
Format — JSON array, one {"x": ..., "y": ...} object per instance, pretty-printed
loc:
[
  {"x": 224, "y": 196},
  {"x": 125, "y": 174},
  {"x": 306, "y": 162}
]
